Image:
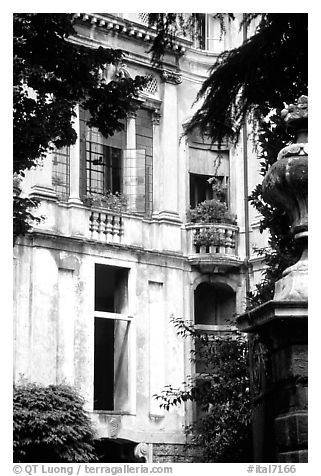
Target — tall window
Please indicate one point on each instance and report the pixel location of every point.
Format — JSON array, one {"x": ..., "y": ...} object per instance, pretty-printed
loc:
[
  {"x": 61, "y": 172},
  {"x": 208, "y": 35},
  {"x": 111, "y": 342},
  {"x": 101, "y": 171},
  {"x": 109, "y": 166}
]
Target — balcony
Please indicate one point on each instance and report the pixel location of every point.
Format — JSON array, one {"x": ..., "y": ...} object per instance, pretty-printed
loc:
[{"x": 213, "y": 247}]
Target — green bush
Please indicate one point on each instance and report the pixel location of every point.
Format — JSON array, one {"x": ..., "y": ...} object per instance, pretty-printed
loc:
[
  {"x": 211, "y": 211},
  {"x": 222, "y": 431},
  {"x": 50, "y": 425}
]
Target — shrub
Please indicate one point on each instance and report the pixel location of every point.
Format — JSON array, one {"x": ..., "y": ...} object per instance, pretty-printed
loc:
[
  {"x": 50, "y": 425},
  {"x": 211, "y": 211},
  {"x": 222, "y": 434},
  {"x": 208, "y": 237},
  {"x": 112, "y": 201}
]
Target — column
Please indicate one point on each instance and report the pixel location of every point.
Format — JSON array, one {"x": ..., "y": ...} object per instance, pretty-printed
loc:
[
  {"x": 169, "y": 149},
  {"x": 157, "y": 166},
  {"x": 129, "y": 165}
]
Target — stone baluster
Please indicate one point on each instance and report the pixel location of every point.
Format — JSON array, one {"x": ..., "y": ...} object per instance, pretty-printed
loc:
[
  {"x": 221, "y": 232},
  {"x": 121, "y": 226},
  {"x": 109, "y": 224},
  {"x": 228, "y": 240},
  {"x": 116, "y": 230}
]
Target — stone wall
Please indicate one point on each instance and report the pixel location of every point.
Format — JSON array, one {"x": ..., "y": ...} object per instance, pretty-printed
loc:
[{"x": 174, "y": 453}]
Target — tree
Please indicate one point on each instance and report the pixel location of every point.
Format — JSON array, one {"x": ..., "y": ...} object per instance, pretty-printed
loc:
[
  {"x": 252, "y": 82},
  {"x": 222, "y": 434},
  {"x": 50, "y": 425},
  {"x": 51, "y": 75}
]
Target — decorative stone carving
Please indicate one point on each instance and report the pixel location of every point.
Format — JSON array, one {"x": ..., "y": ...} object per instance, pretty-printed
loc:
[
  {"x": 121, "y": 71},
  {"x": 114, "y": 426},
  {"x": 171, "y": 77},
  {"x": 141, "y": 452},
  {"x": 156, "y": 117},
  {"x": 259, "y": 365},
  {"x": 286, "y": 186}
]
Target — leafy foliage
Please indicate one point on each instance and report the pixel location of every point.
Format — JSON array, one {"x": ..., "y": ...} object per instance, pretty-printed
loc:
[
  {"x": 51, "y": 75},
  {"x": 50, "y": 425},
  {"x": 253, "y": 82},
  {"x": 211, "y": 211},
  {"x": 170, "y": 26},
  {"x": 23, "y": 216},
  {"x": 268, "y": 69},
  {"x": 208, "y": 237},
  {"x": 112, "y": 201},
  {"x": 221, "y": 390}
]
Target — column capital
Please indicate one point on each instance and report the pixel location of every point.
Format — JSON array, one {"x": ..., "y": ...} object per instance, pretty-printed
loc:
[
  {"x": 170, "y": 76},
  {"x": 156, "y": 116},
  {"x": 131, "y": 115}
]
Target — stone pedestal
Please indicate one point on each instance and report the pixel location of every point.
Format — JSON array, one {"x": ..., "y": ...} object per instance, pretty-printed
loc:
[
  {"x": 279, "y": 328},
  {"x": 278, "y": 337}
]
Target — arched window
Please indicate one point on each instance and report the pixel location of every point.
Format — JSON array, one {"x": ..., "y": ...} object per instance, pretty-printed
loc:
[{"x": 214, "y": 305}]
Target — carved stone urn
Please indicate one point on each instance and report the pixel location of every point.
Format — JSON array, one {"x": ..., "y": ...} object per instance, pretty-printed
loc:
[{"x": 286, "y": 186}]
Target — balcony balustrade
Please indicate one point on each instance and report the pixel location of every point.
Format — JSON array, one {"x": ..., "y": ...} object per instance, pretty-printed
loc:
[
  {"x": 106, "y": 226},
  {"x": 212, "y": 245}
]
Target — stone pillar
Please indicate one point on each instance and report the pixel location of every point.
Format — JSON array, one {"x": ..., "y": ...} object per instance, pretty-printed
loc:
[
  {"x": 279, "y": 328},
  {"x": 157, "y": 169},
  {"x": 75, "y": 164},
  {"x": 169, "y": 140}
]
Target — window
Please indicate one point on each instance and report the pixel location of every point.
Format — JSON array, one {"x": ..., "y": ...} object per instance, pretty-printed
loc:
[
  {"x": 101, "y": 159},
  {"x": 208, "y": 33},
  {"x": 214, "y": 304},
  {"x": 108, "y": 166},
  {"x": 206, "y": 162},
  {"x": 214, "y": 308},
  {"x": 111, "y": 339},
  {"x": 200, "y": 189},
  {"x": 60, "y": 172}
]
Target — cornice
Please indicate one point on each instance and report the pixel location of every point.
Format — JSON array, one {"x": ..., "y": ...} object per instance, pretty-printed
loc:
[{"x": 129, "y": 28}]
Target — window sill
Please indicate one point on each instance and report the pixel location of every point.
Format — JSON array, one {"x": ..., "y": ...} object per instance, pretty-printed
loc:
[{"x": 113, "y": 412}]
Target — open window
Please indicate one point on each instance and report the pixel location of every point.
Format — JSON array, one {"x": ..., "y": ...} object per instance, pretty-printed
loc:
[
  {"x": 108, "y": 166},
  {"x": 214, "y": 305},
  {"x": 214, "y": 309},
  {"x": 111, "y": 339},
  {"x": 208, "y": 33},
  {"x": 208, "y": 166}
]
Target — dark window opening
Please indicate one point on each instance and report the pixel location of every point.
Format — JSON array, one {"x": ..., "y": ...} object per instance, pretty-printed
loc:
[
  {"x": 110, "y": 339},
  {"x": 214, "y": 304},
  {"x": 201, "y": 189}
]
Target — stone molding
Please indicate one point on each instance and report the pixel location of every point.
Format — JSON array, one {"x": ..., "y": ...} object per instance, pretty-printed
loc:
[
  {"x": 126, "y": 27},
  {"x": 171, "y": 77}
]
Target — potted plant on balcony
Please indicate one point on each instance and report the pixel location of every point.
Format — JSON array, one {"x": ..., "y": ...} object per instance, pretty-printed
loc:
[
  {"x": 207, "y": 237},
  {"x": 115, "y": 202},
  {"x": 207, "y": 213},
  {"x": 211, "y": 211}
]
